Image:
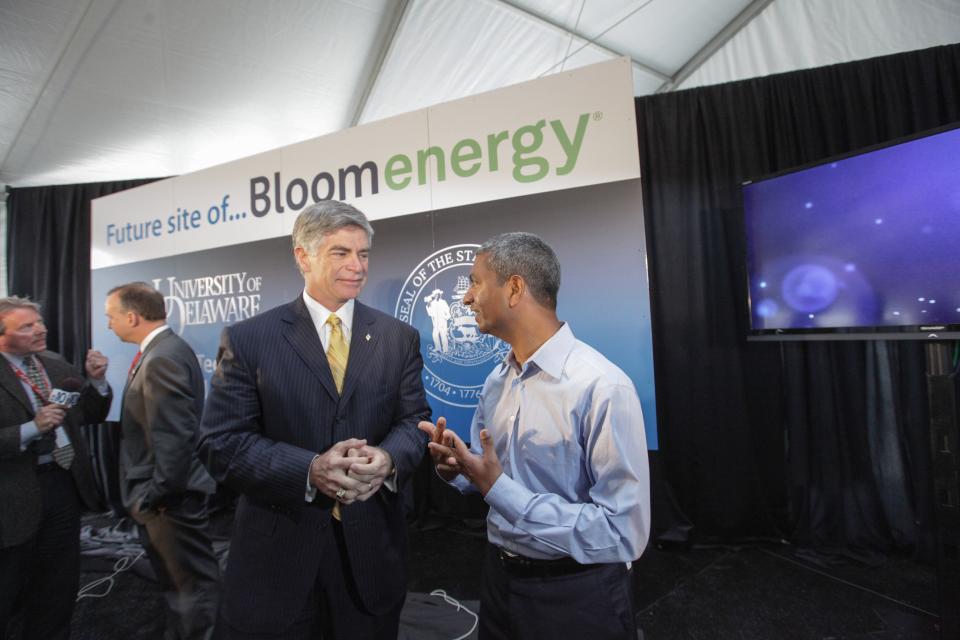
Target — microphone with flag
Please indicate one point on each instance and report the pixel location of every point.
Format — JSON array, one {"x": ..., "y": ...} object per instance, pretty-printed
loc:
[{"x": 68, "y": 394}]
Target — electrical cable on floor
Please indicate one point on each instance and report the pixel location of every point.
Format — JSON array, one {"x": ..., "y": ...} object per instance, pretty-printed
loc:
[
  {"x": 851, "y": 584},
  {"x": 121, "y": 565},
  {"x": 452, "y": 602}
]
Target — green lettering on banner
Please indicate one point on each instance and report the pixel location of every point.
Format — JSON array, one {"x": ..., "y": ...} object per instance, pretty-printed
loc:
[
  {"x": 397, "y": 165},
  {"x": 458, "y": 157},
  {"x": 493, "y": 149},
  {"x": 422, "y": 157},
  {"x": 571, "y": 149},
  {"x": 520, "y": 160}
]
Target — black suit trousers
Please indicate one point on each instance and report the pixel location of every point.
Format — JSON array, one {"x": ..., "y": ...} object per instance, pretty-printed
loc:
[
  {"x": 39, "y": 578},
  {"x": 334, "y": 610},
  {"x": 178, "y": 545}
]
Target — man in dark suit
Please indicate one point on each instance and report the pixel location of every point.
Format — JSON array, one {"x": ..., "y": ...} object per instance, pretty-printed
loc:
[
  {"x": 312, "y": 417},
  {"x": 162, "y": 484},
  {"x": 45, "y": 474}
]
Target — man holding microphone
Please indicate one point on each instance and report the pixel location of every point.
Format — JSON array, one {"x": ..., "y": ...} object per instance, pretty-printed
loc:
[{"x": 45, "y": 473}]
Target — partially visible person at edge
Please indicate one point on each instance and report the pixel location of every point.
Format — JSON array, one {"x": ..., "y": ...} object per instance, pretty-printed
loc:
[
  {"x": 45, "y": 473},
  {"x": 559, "y": 454}
]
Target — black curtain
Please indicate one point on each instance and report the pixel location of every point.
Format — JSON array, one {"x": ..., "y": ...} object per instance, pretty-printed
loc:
[
  {"x": 48, "y": 257},
  {"x": 48, "y": 260},
  {"x": 823, "y": 442}
]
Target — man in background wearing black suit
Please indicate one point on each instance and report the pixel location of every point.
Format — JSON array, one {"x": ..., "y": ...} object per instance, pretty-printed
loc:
[
  {"x": 45, "y": 474},
  {"x": 312, "y": 417},
  {"x": 163, "y": 485}
]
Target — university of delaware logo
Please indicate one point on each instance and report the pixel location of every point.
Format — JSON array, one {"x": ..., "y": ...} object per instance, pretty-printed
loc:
[
  {"x": 217, "y": 299},
  {"x": 456, "y": 356}
]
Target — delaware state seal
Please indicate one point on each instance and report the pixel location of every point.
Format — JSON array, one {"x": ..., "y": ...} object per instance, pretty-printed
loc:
[{"x": 456, "y": 356}]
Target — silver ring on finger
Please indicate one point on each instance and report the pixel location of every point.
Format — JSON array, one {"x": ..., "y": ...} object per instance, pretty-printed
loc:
[{"x": 341, "y": 492}]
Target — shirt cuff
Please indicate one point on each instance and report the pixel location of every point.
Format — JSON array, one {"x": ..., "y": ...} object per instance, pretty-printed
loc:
[
  {"x": 311, "y": 491},
  {"x": 508, "y": 497},
  {"x": 102, "y": 386},
  {"x": 28, "y": 433},
  {"x": 459, "y": 483},
  {"x": 390, "y": 482}
]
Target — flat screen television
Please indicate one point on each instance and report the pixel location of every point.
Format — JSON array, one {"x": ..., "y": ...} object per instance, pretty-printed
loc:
[{"x": 864, "y": 246}]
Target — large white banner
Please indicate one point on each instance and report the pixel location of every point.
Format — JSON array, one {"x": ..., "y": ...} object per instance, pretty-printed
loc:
[
  {"x": 567, "y": 130},
  {"x": 557, "y": 157}
]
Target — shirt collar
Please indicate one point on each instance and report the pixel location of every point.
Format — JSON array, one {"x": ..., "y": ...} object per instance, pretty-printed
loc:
[
  {"x": 550, "y": 357},
  {"x": 319, "y": 313},
  {"x": 15, "y": 360},
  {"x": 150, "y": 336}
]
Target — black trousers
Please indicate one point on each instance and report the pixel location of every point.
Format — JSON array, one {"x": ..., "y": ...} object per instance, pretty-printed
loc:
[
  {"x": 334, "y": 610},
  {"x": 39, "y": 578},
  {"x": 518, "y": 604},
  {"x": 177, "y": 542}
]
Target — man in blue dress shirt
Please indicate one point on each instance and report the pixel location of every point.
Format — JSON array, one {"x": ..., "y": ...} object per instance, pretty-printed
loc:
[{"x": 562, "y": 460}]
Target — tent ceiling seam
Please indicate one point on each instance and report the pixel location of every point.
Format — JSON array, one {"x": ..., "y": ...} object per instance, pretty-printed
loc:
[
  {"x": 396, "y": 22},
  {"x": 732, "y": 28},
  {"x": 576, "y": 34}
]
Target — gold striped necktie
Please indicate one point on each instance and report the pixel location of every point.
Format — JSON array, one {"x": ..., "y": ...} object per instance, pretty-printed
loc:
[{"x": 337, "y": 351}]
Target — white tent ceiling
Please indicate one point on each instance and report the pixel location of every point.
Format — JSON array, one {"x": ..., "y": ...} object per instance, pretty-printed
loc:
[{"x": 94, "y": 90}]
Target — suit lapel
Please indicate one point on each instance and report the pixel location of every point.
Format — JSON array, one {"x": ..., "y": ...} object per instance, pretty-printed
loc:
[
  {"x": 10, "y": 382},
  {"x": 133, "y": 374},
  {"x": 363, "y": 344},
  {"x": 301, "y": 335}
]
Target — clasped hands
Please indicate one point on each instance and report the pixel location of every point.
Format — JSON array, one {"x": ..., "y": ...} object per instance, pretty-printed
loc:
[
  {"x": 452, "y": 457},
  {"x": 350, "y": 470}
]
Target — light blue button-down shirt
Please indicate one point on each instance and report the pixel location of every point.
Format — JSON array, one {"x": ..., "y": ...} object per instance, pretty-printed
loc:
[{"x": 568, "y": 429}]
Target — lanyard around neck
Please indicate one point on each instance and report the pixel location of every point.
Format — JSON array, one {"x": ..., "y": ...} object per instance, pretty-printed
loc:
[{"x": 43, "y": 392}]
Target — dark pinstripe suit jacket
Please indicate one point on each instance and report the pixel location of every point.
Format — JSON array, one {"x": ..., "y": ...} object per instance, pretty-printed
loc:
[
  {"x": 20, "y": 506},
  {"x": 272, "y": 406}
]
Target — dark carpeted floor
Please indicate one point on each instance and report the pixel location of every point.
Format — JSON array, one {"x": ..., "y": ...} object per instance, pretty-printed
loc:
[{"x": 749, "y": 592}]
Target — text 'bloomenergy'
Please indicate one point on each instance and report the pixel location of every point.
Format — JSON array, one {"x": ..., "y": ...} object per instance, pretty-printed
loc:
[{"x": 464, "y": 159}]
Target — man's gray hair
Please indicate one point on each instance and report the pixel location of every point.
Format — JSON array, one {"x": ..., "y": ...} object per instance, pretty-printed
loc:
[
  {"x": 12, "y": 303},
  {"x": 525, "y": 255},
  {"x": 322, "y": 218}
]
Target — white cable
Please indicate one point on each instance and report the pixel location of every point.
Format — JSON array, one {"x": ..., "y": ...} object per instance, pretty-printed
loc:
[
  {"x": 121, "y": 565},
  {"x": 443, "y": 594}
]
